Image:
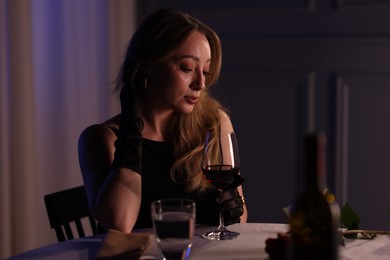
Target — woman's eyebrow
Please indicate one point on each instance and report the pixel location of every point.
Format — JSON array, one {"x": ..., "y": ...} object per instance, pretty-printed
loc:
[{"x": 195, "y": 58}]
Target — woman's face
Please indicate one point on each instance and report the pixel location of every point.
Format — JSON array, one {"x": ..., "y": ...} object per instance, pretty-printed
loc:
[{"x": 177, "y": 81}]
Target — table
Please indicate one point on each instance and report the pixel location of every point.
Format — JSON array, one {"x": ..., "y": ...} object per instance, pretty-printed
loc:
[{"x": 250, "y": 245}]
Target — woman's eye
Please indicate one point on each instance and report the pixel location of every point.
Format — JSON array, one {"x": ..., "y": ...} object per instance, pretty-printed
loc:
[
  {"x": 186, "y": 69},
  {"x": 206, "y": 73}
]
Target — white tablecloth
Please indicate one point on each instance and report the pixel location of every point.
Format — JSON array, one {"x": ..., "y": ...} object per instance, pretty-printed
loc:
[
  {"x": 375, "y": 249},
  {"x": 250, "y": 245}
]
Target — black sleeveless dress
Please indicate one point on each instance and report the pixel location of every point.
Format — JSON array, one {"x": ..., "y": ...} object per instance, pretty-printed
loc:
[{"x": 157, "y": 159}]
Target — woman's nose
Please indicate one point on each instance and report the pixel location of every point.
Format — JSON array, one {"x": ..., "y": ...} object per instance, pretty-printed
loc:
[{"x": 198, "y": 82}]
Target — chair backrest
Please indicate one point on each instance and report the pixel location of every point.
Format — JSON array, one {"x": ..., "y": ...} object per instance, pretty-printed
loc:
[{"x": 66, "y": 206}]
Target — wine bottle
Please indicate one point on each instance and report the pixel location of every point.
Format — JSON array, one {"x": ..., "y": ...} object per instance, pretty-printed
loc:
[{"x": 315, "y": 215}]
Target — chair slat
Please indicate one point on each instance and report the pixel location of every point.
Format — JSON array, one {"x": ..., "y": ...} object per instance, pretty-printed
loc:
[
  {"x": 60, "y": 234},
  {"x": 68, "y": 231},
  {"x": 93, "y": 224},
  {"x": 79, "y": 227}
]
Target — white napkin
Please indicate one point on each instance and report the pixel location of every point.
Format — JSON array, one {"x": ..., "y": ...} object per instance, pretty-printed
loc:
[{"x": 119, "y": 245}]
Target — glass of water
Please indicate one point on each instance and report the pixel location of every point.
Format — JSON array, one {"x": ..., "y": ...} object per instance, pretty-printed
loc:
[{"x": 174, "y": 224}]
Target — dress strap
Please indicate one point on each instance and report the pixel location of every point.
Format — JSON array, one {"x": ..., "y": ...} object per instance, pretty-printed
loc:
[{"x": 115, "y": 130}]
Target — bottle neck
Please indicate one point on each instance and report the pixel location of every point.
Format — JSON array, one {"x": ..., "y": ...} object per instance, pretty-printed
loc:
[{"x": 315, "y": 162}]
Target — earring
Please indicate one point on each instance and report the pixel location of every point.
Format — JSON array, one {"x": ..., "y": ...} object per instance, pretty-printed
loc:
[{"x": 146, "y": 83}]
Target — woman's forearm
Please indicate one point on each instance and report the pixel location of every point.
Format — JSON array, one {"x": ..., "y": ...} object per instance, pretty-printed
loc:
[{"x": 118, "y": 202}]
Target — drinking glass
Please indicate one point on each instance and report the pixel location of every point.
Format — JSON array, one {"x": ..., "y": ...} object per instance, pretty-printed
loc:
[
  {"x": 174, "y": 224},
  {"x": 220, "y": 165}
]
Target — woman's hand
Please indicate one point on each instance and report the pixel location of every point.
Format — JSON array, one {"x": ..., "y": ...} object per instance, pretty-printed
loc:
[
  {"x": 232, "y": 205},
  {"x": 231, "y": 202}
]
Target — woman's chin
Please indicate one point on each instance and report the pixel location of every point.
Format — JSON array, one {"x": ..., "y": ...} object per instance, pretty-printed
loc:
[{"x": 186, "y": 110}]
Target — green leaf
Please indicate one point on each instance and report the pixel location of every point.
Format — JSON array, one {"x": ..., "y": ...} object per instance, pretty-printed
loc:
[
  {"x": 349, "y": 219},
  {"x": 287, "y": 211}
]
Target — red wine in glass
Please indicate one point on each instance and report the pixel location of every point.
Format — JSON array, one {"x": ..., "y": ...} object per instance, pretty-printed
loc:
[{"x": 220, "y": 176}]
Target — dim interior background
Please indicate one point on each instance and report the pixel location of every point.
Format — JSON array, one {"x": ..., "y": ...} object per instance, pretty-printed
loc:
[{"x": 289, "y": 67}]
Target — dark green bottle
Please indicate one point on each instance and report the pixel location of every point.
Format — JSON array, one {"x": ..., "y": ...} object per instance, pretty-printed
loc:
[{"x": 315, "y": 215}]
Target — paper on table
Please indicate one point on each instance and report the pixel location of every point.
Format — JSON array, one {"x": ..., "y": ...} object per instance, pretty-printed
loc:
[{"x": 119, "y": 245}]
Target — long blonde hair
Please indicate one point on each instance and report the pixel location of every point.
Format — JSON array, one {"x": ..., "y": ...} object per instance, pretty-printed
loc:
[
  {"x": 156, "y": 38},
  {"x": 190, "y": 138}
]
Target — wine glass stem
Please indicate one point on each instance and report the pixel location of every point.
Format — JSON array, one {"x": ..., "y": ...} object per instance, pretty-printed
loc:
[{"x": 221, "y": 218}]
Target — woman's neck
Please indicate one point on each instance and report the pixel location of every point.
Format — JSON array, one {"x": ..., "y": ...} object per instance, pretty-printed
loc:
[{"x": 156, "y": 125}]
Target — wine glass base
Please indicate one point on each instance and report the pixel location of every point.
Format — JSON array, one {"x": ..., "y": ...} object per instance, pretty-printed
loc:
[{"x": 221, "y": 235}]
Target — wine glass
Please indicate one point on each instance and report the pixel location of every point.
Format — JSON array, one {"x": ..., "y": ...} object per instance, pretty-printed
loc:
[{"x": 220, "y": 165}]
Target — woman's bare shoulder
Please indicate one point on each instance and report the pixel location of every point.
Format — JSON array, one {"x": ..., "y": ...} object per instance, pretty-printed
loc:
[
  {"x": 226, "y": 123},
  {"x": 95, "y": 137},
  {"x": 223, "y": 115},
  {"x": 98, "y": 133},
  {"x": 95, "y": 130}
]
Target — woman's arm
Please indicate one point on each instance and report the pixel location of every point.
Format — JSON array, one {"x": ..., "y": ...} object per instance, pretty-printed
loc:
[
  {"x": 114, "y": 195},
  {"x": 244, "y": 217},
  {"x": 226, "y": 125}
]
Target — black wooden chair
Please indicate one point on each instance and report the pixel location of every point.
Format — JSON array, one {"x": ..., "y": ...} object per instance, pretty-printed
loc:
[{"x": 65, "y": 207}]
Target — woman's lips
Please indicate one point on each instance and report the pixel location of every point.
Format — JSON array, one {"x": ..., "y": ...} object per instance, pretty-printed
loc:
[{"x": 191, "y": 99}]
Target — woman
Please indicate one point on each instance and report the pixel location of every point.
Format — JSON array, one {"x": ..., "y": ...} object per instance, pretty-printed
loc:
[{"x": 152, "y": 149}]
